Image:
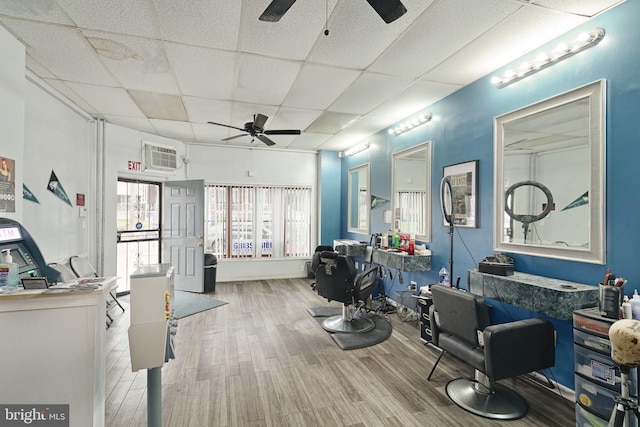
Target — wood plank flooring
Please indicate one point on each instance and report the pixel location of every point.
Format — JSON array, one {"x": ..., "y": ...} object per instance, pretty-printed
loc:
[{"x": 262, "y": 360}]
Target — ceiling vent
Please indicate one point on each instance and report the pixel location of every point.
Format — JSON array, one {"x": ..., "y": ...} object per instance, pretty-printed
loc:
[{"x": 159, "y": 157}]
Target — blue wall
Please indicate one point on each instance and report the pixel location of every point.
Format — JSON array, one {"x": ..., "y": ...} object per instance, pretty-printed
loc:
[{"x": 462, "y": 130}]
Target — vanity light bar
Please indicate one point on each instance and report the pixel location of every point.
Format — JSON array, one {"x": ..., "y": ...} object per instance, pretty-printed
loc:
[
  {"x": 546, "y": 59},
  {"x": 413, "y": 123},
  {"x": 356, "y": 149}
]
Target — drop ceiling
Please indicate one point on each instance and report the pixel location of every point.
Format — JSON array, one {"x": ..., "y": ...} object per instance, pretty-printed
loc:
[{"x": 168, "y": 67}]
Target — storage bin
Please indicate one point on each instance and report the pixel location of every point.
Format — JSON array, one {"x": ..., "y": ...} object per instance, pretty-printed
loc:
[
  {"x": 592, "y": 341},
  {"x": 585, "y": 418},
  {"x": 598, "y": 400},
  {"x": 593, "y": 323},
  {"x": 601, "y": 369}
]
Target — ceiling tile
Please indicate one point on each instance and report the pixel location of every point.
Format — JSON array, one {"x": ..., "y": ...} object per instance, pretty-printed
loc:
[
  {"x": 203, "y": 72},
  {"x": 135, "y": 18},
  {"x": 305, "y": 19},
  {"x": 202, "y": 110},
  {"x": 357, "y": 35},
  {"x": 413, "y": 98},
  {"x": 534, "y": 27},
  {"x": 172, "y": 129},
  {"x": 431, "y": 40},
  {"x": 137, "y": 63},
  {"x": 205, "y": 132},
  {"x": 208, "y": 23},
  {"x": 40, "y": 10},
  {"x": 293, "y": 118},
  {"x": 55, "y": 46},
  {"x": 577, "y": 7},
  {"x": 264, "y": 80},
  {"x": 141, "y": 124},
  {"x": 159, "y": 105},
  {"x": 367, "y": 92},
  {"x": 332, "y": 122},
  {"x": 107, "y": 100},
  {"x": 318, "y": 86},
  {"x": 309, "y": 141},
  {"x": 66, "y": 91}
]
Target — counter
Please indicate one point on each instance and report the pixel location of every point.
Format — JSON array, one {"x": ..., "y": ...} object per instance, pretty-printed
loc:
[
  {"x": 401, "y": 260},
  {"x": 53, "y": 348},
  {"x": 551, "y": 297}
]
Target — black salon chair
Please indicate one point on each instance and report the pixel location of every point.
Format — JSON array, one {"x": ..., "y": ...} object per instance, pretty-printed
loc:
[
  {"x": 337, "y": 280},
  {"x": 460, "y": 326},
  {"x": 315, "y": 259}
]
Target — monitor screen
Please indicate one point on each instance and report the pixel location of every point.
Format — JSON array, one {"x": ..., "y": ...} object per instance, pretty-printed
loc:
[{"x": 18, "y": 258}]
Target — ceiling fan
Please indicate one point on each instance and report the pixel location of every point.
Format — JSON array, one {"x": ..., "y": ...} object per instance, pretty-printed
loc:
[
  {"x": 389, "y": 10},
  {"x": 256, "y": 130}
]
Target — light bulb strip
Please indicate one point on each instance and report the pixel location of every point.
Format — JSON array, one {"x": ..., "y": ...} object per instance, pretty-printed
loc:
[
  {"x": 546, "y": 59},
  {"x": 411, "y": 123},
  {"x": 356, "y": 149}
]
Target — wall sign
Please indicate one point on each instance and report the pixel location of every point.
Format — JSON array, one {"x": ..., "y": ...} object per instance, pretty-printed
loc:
[
  {"x": 56, "y": 188},
  {"x": 7, "y": 185}
]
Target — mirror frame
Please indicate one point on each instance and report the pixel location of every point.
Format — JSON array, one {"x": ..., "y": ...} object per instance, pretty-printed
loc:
[
  {"x": 426, "y": 146},
  {"x": 365, "y": 167},
  {"x": 595, "y": 92}
]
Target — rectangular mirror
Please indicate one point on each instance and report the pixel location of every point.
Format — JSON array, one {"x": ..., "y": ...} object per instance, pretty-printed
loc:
[
  {"x": 358, "y": 211},
  {"x": 411, "y": 188},
  {"x": 549, "y": 177}
]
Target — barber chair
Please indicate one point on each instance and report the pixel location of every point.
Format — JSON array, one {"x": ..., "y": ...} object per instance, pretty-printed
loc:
[
  {"x": 337, "y": 280},
  {"x": 460, "y": 326},
  {"x": 315, "y": 259}
]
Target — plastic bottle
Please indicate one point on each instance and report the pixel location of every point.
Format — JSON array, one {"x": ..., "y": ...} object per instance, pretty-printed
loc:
[
  {"x": 396, "y": 240},
  {"x": 8, "y": 271},
  {"x": 412, "y": 244},
  {"x": 626, "y": 308},
  {"x": 443, "y": 276},
  {"x": 635, "y": 305},
  {"x": 390, "y": 239}
]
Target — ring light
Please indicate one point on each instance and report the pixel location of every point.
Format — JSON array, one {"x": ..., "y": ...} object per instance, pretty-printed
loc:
[{"x": 527, "y": 219}]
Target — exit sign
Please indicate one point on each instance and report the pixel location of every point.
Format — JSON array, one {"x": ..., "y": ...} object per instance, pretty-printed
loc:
[{"x": 133, "y": 165}]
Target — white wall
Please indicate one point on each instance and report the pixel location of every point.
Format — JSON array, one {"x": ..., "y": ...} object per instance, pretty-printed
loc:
[
  {"x": 12, "y": 111},
  {"x": 60, "y": 140},
  {"x": 215, "y": 165}
]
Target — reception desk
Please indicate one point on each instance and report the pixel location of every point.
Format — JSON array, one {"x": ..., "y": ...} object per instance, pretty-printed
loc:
[{"x": 53, "y": 348}]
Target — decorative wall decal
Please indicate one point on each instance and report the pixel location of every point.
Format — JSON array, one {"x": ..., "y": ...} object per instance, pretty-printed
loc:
[
  {"x": 7, "y": 185},
  {"x": 377, "y": 201},
  {"x": 28, "y": 195},
  {"x": 56, "y": 188}
]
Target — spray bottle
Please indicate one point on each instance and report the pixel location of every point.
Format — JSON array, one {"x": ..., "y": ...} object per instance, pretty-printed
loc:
[
  {"x": 635, "y": 305},
  {"x": 8, "y": 271}
]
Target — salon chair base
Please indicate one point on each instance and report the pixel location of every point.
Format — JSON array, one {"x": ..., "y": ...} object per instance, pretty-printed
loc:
[
  {"x": 500, "y": 403},
  {"x": 357, "y": 325}
]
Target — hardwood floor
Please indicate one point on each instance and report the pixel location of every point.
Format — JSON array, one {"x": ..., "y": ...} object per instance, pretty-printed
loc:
[{"x": 262, "y": 360}]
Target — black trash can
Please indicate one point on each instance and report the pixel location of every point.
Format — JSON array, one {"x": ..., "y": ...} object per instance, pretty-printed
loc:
[{"x": 210, "y": 268}]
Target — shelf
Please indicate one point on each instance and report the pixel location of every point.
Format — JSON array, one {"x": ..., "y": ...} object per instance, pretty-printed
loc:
[
  {"x": 402, "y": 261},
  {"x": 551, "y": 297}
]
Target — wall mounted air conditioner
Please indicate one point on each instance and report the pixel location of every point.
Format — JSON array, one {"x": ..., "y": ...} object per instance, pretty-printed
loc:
[{"x": 159, "y": 157}]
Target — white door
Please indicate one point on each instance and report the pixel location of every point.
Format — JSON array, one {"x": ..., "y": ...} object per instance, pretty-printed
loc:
[{"x": 183, "y": 233}]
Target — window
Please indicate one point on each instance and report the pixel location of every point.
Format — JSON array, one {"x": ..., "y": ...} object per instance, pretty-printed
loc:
[
  {"x": 138, "y": 227},
  {"x": 258, "y": 222}
]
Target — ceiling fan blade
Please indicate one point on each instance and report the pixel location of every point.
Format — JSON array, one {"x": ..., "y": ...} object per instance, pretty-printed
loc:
[
  {"x": 258, "y": 121},
  {"x": 389, "y": 10},
  {"x": 275, "y": 10},
  {"x": 234, "y": 137},
  {"x": 227, "y": 126},
  {"x": 266, "y": 140},
  {"x": 282, "y": 132}
]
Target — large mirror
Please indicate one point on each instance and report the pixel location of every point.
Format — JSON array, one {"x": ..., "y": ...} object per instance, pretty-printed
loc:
[
  {"x": 358, "y": 211},
  {"x": 549, "y": 177},
  {"x": 411, "y": 186}
]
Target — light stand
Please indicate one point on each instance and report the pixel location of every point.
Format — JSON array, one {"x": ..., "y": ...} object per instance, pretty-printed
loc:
[{"x": 449, "y": 217}]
